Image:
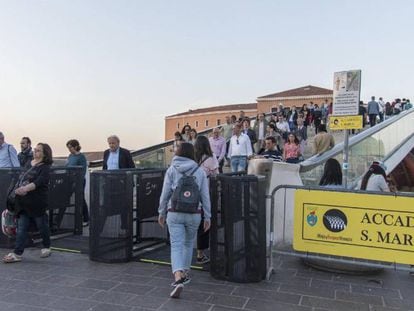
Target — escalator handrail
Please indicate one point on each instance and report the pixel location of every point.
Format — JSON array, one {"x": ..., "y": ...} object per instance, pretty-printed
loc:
[{"x": 317, "y": 160}]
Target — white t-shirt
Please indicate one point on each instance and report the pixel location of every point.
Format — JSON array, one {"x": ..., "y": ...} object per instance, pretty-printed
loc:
[
  {"x": 283, "y": 126},
  {"x": 240, "y": 146}
]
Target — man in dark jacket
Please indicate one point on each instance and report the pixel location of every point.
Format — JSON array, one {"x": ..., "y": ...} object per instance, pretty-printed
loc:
[
  {"x": 26, "y": 155},
  {"x": 116, "y": 157}
]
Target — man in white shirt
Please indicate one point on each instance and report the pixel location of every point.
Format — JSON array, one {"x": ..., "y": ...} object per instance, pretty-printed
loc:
[
  {"x": 240, "y": 149},
  {"x": 283, "y": 127},
  {"x": 8, "y": 154},
  {"x": 381, "y": 104}
]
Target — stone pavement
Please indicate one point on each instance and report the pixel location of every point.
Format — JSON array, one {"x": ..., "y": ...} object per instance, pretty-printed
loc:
[{"x": 68, "y": 281}]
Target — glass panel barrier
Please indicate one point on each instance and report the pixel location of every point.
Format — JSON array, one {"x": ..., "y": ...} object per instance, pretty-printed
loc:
[
  {"x": 375, "y": 143},
  {"x": 156, "y": 156}
]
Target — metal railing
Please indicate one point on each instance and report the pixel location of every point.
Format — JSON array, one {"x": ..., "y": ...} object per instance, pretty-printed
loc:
[
  {"x": 65, "y": 200},
  {"x": 124, "y": 213},
  {"x": 283, "y": 244}
]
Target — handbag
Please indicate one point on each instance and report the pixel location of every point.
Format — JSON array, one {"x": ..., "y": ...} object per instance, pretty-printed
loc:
[
  {"x": 11, "y": 194},
  {"x": 8, "y": 224},
  {"x": 11, "y": 197}
]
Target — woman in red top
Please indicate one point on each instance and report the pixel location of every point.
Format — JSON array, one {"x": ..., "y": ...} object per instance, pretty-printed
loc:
[{"x": 291, "y": 151}]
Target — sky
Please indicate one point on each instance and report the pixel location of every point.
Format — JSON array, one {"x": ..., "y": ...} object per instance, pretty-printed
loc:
[{"x": 88, "y": 69}]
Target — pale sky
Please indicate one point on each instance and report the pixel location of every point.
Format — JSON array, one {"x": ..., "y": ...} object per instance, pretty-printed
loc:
[{"x": 88, "y": 69}]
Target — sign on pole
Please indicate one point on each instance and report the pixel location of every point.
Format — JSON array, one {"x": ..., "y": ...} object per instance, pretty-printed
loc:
[
  {"x": 346, "y": 95},
  {"x": 347, "y": 87},
  {"x": 345, "y": 122}
]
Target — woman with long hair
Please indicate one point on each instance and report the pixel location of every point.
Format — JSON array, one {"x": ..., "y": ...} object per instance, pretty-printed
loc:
[
  {"x": 32, "y": 202},
  {"x": 193, "y": 136},
  {"x": 208, "y": 162},
  {"x": 332, "y": 174},
  {"x": 178, "y": 139},
  {"x": 183, "y": 226},
  {"x": 185, "y": 132},
  {"x": 375, "y": 179},
  {"x": 291, "y": 151}
]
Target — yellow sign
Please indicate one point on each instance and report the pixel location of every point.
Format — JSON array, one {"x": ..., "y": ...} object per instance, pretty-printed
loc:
[
  {"x": 345, "y": 122},
  {"x": 355, "y": 225}
]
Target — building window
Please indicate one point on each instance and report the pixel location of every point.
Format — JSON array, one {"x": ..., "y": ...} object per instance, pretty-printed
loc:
[
  {"x": 178, "y": 125},
  {"x": 218, "y": 122},
  {"x": 196, "y": 123},
  {"x": 206, "y": 123}
]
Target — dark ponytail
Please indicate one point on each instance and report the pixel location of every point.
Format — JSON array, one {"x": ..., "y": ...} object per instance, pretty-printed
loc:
[{"x": 375, "y": 169}]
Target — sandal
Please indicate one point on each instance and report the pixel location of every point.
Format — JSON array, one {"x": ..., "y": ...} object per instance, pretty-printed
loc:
[{"x": 12, "y": 257}]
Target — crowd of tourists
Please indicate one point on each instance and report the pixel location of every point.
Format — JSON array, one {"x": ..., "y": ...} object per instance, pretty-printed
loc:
[
  {"x": 185, "y": 199},
  {"x": 282, "y": 136}
]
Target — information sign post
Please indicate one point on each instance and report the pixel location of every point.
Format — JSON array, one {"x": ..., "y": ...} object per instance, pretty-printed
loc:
[{"x": 346, "y": 96}]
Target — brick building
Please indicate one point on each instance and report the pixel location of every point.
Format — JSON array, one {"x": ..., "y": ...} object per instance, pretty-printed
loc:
[
  {"x": 202, "y": 119},
  {"x": 205, "y": 118}
]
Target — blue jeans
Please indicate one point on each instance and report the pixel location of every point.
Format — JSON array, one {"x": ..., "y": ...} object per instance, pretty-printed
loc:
[
  {"x": 183, "y": 231},
  {"x": 238, "y": 163},
  {"x": 23, "y": 223}
]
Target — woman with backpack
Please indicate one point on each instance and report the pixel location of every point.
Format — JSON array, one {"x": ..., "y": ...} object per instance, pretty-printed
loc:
[
  {"x": 208, "y": 162},
  {"x": 184, "y": 195}
]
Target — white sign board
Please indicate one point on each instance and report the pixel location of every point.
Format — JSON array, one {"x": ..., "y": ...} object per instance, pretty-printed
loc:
[{"x": 347, "y": 87}]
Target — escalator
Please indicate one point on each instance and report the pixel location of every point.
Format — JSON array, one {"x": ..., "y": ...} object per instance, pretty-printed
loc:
[{"x": 391, "y": 142}]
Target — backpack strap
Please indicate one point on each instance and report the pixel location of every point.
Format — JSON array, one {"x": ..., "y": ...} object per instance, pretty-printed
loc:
[
  {"x": 196, "y": 168},
  {"x": 8, "y": 151}
]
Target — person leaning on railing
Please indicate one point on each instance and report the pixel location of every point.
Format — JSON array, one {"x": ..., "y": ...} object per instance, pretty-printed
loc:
[{"x": 32, "y": 202}]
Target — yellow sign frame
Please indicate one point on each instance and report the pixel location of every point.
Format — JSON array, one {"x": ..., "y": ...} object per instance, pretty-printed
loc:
[
  {"x": 364, "y": 226},
  {"x": 345, "y": 122}
]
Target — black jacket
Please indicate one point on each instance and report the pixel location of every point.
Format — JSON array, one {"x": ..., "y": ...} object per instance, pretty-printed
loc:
[
  {"x": 125, "y": 159},
  {"x": 35, "y": 203},
  {"x": 25, "y": 157}
]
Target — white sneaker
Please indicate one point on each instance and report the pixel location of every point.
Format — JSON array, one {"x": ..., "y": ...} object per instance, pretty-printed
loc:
[
  {"x": 177, "y": 291},
  {"x": 45, "y": 252}
]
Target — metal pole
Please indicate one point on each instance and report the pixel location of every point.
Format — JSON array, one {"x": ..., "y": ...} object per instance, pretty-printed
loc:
[{"x": 345, "y": 160}]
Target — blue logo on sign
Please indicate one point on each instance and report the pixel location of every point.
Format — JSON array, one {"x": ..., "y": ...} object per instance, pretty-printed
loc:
[{"x": 312, "y": 219}]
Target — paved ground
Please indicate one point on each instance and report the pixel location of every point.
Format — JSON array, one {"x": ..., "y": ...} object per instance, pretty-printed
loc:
[{"x": 71, "y": 282}]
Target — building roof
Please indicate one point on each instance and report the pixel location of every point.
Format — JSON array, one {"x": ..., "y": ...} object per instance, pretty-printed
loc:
[
  {"x": 217, "y": 109},
  {"x": 304, "y": 91}
]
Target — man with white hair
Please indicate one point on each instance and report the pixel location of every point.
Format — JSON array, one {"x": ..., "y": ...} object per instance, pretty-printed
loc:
[
  {"x": 8, "y": 154},
  {"x": 116, "y": 157}
]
